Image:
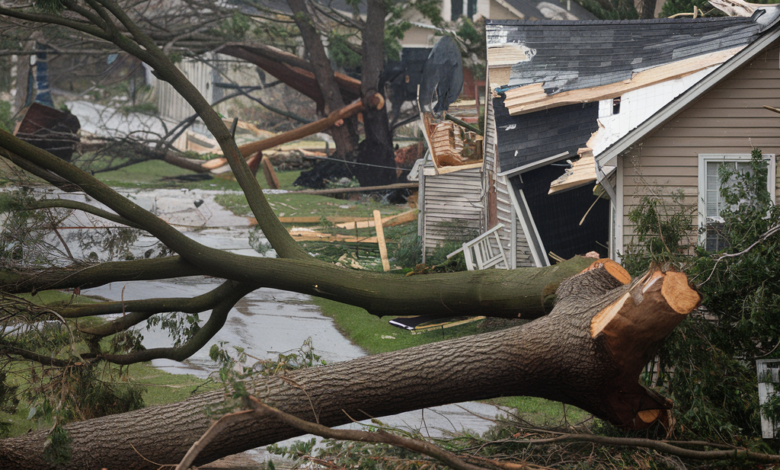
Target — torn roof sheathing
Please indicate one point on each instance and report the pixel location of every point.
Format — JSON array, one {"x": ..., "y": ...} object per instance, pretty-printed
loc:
[{"x": 531, "y": 137}]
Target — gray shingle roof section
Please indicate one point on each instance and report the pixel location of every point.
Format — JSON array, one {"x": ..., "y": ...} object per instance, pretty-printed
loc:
[
  {"x": 528, "y": 138},
  {"x": 572, "y": 55}
]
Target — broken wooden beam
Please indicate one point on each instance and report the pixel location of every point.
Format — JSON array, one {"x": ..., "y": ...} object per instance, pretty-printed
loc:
[
  {"x": 313, "y": 219},
  {"x": 380, "y": 237},
  {"x": 389, "y": 221},
  {"x": 317, "y": 126},
  {"x": 364, "y": 189},
  {"x": 269, "y": 173},
  {"x": 529, "y": 98}
]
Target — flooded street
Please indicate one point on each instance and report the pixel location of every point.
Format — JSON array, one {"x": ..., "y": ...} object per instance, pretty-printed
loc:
[{"x": 266, "y": 322}]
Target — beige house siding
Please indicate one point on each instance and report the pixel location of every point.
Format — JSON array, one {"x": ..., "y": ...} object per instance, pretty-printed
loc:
[{"x": 728, "y": 119}]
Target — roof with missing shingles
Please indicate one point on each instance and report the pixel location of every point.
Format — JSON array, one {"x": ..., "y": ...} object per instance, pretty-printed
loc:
[{"x": 571, "y": 55}]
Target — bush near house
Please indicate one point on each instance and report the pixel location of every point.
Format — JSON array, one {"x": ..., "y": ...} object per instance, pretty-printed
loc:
[{"x": 707, "y": 366}]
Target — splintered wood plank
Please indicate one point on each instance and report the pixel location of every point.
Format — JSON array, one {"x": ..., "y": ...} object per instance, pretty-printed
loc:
[
  {"x": 583, "y": 171},
  {"x": 402, "y": 218},
  {"x": 533, "y": 102},
  {"x": 270, "y": 174},
  {"x": 380, "y": 236},
  {"x": 313, "y": 236},
  {"x": 390, "y": 221},
  {"x": 311, "y": 219}
]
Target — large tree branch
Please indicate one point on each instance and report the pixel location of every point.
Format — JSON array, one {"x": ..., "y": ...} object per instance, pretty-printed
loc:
[
  {"x": 44, "y": 174},
  {"x": 58, "y": 20},
  {"x": 525, "y": 292},
  {"x": 140, "y": 310},
  {"x": 94, "y": 275},
  {"x": 17, "y": 352}
]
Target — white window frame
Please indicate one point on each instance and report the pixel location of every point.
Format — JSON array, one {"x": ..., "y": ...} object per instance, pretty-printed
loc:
[{"x": 705, "y": 158}]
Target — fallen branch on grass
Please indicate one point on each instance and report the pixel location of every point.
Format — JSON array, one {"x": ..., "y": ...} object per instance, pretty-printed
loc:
[
  {"x": 260, "y": 410},
  {"x": 667, "y": 447}
]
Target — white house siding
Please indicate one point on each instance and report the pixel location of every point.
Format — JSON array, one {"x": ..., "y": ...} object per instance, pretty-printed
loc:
[
  {"x": 452, "y": 207},
  {"x": 203, "y": 72}
]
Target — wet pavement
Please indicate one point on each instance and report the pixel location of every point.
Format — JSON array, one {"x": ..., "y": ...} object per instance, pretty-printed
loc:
[{"x": 266, "y": 322}]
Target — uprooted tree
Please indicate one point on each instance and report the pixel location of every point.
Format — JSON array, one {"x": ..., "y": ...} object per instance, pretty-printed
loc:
[{"x": 596, "y": 327}]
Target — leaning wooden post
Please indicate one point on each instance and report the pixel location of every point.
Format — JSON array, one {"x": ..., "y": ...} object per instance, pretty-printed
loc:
[
  {"x": 380, "y": 238},
  {"x": 270, "y": 174}
]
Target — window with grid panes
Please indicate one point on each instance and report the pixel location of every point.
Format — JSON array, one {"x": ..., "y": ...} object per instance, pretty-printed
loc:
[{"x": 712, "y": 203}]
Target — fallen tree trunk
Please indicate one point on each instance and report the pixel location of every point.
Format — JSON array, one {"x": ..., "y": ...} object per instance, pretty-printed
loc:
[{"x": 588, "y": 352}]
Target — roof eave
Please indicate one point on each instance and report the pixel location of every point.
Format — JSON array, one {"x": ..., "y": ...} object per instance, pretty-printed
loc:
[{"x": 689, "y": 97}]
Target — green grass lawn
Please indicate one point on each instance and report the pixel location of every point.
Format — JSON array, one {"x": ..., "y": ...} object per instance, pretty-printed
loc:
[
  {"x": 308, "y": 205},
  {"x": 372, "y": 333},
  {"x": 151, "y": 174}
]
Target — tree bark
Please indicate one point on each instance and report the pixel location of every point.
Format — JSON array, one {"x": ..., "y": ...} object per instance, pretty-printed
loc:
[
  {"x": 588, "y": 353},
  {"x": 377, "y": 148},
  {"x": 648, "y": 9},
  {"x": 526, "y": 292},
  {"x": 345, "y": 136}
]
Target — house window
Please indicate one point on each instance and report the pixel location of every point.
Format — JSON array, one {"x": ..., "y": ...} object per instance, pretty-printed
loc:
[
  {"x": 456, "y": 9},
  {"x": 472, "y": 8},
  {"x": 712, "y": 203}
]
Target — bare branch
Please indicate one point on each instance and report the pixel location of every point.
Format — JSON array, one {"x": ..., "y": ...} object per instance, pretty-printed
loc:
[
  {"x": 67, "y": 204},
  {"x": 666, "y": 447},
  {"x": 260, "y": 411},
  {"x": 215, "y": 323}
]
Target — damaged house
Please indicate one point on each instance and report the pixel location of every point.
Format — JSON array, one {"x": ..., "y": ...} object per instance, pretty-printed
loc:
[{"x": 585, "y": 117}]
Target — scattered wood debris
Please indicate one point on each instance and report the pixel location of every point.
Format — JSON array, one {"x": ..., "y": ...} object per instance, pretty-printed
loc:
[
  {"x": 380, "y": 238},
  {"x": 450, "y": 144},
  {"x": 389, "y": 221}
]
